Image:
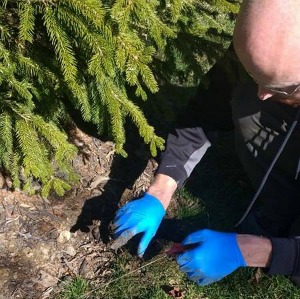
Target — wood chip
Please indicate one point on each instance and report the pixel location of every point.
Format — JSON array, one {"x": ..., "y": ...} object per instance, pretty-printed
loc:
[{"x": 97, "y": 180}]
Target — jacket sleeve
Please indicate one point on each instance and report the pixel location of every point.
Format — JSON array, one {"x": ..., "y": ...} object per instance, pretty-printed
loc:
[
  {"x": 208, "y": 111},
  {"x": 185, "y": 148},
  {"x": 285, "y": 256}
]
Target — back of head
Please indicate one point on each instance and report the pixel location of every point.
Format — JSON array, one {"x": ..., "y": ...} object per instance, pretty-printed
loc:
[{"x": 267, "y": 39}]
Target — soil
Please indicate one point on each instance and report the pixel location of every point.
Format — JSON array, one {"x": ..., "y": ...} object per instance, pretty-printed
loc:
[{"x": 46, "y": 241}]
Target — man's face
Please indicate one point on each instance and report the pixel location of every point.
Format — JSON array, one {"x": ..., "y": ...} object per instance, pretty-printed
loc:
[{"x": 267, "y": 42}]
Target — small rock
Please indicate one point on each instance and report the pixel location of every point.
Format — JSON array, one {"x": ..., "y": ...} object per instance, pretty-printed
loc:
[{"x": 64, "y": 237}]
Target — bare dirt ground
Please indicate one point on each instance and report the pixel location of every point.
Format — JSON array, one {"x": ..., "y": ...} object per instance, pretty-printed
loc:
[{"x": 44, "y": 241}]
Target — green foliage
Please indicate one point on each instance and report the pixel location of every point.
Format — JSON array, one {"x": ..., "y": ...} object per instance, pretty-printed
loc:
[
  {"x": 74, "y": 289},
  {"x": 89, "y": 55},
  {"x": 188, "y": 206},
  {"x": 203, "y": 33}
]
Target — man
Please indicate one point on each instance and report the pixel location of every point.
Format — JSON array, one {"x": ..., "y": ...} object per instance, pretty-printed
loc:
[{"x": 267, "y": 42}]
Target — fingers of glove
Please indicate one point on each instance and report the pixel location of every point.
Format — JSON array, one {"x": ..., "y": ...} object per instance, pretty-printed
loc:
[
  {"x": 145, "y": 240},
  {"x": 122, "y": 239},
  {"x": 124, "y": 233},
  {"x": 187, "y": 268},
  {"x": 119, "y": 217},
  {"x": 130, "y": 220},
  {"x": 206, "y": 281},
  {"x": 123, "y": 211},
  {"x": 196, "y": 237},
  {"x": 121, "y": 230},
  {"x": 188, "y": 263},
  {"x": 200, "y": 278},
  {"x": 131, "y": 224},
  {"x": 184, "y": 259},
  {"x": 118, "y": 222},
  {"x": 127, "y": 225},
  {"x": 196, "y": 275}
]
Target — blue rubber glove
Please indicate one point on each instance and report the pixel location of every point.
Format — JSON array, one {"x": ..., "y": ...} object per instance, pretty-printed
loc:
[
  {"x": 216, "y": 256},
  {"x": 139, "y": 216}
]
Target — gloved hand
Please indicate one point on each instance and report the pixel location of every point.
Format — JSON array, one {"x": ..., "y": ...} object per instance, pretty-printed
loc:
[
  {"x": 142, "y": 215},
  {"x": 216, "y": 256}
]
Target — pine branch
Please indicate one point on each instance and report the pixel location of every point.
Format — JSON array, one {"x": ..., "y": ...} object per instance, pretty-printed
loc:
[
  {"x": 134, "y": 60},
  {"x": 65, "y": 152},
  {"x": 4, "y": 29},
  {"x": 90, "y": 10},
  {"x": 107, "y": 93},
  {"x": 26, "y": 26},
  {"x": 4, "y": 3},
  {"x": 66, "y": 56},
  {"x": 145, "y": 130},
  {"x": 15, "y": 170},
  {"x": 60, "y": 186},
  {"x": 28, "y": 67},
  {"x": 100, "y": 115},
  {"x": 176, "y": 8},
  {"x": 62, "y": 45},
  {"x": 99, "y": 46},
  {"x": 6, "y": 140},
  {"x": 5, "y": 55},
  {"x": 142, "y": 16},
  {"x": 23, "y": 89},
  {"x": 35, "y": 158}
]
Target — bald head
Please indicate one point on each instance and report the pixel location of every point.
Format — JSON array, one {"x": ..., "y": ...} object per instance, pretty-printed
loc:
[{"x": 267, "y": 40}]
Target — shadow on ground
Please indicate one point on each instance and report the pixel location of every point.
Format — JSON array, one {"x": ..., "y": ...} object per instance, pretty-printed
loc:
[
  {"x": 124, "y": 172},
  {"x": 218, "y": 180}
]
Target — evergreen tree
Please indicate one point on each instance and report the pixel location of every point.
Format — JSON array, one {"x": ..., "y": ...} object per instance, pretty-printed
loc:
[{"x": 86, "y": 54}]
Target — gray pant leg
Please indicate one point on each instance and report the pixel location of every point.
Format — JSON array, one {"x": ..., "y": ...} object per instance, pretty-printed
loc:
[{"x": 260, "y": 128}]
